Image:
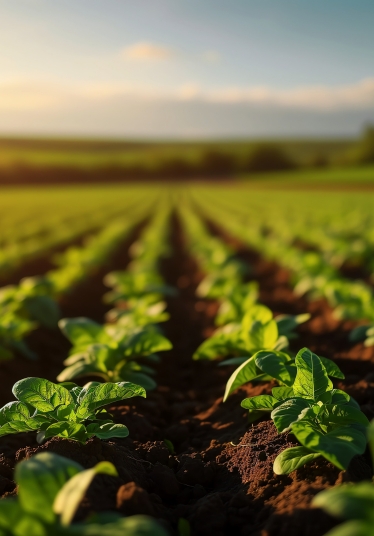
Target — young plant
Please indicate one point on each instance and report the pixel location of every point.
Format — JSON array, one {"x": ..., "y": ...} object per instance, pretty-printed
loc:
[
  {"x": 326, "y": 421},
  {"x": 139, "y": 312},
  {"x": 111, "y": 351},
  {"x": 130, "y": 285},
  {"x": 270, "y": 365},
  {"x": 68, "y": 411},
  {"x": 50, "y": 490},
  {"x": 258, "y": 330},
  {"x": 351, "y": 502},
  {"x": 237, "y": 302}
]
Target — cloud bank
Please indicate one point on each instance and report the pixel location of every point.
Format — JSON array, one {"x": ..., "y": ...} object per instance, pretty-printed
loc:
[{"x": 188, "y": 110}]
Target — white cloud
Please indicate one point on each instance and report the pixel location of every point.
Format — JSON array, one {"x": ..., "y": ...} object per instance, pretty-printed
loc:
[{"x": 147, "y": 51}]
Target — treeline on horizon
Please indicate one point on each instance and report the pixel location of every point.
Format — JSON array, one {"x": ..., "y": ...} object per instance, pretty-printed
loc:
[{"x": 38, "y": 161}]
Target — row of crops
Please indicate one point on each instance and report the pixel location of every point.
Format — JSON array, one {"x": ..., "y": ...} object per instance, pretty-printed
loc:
[{"x": 217, "y": 378}]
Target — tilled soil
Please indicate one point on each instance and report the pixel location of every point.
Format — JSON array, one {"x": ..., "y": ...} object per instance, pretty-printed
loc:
[{"x": 219, "y": 476}]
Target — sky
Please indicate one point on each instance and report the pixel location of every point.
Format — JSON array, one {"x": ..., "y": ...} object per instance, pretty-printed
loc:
[{"x": 186, "y": 68}]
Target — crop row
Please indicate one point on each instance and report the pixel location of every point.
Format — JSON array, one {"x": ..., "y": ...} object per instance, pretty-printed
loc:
[
  {"x": 314, "y": 274},
  {"x": 299, "y": 392}
]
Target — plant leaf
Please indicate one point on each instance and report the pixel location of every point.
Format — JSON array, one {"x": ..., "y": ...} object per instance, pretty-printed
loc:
[
  {"x": 348, "y": 502},
  {"x": 261, "y": 402},
  {"x": 146, "y": 342},
  {"x": 338, "y": 446},
  {"x": 292, "y": 458},
  {"x": 107, "y": 430},
  {"x": 40, "y": 478},
  {"x": 243, "y": 374},
  {"x": 101, "y": 395},
  {"x": 41, "y": 394},
  {"x": 289, "y": 412},
  {"x": 332, "y": 368},
  {"x": 311, "y": 379},
  {"x": 67, "y": 430},
  {"x": 278, "y": 365},
  {"x": 72, "y": 493}
]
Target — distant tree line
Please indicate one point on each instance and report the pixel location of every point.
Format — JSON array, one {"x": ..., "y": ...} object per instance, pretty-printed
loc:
[{"x": 212, "y": 164}]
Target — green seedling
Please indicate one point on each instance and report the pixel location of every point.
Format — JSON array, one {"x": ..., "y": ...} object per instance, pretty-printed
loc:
[
  {"x": 69, "y": 411},
  {"x": 50, "y": 490},
  {"x": 271, "y": 365},
  {"x": 258, "y": 330},
  {"x": 111, "y": 351},
  {"x": 326, "y": 421}
]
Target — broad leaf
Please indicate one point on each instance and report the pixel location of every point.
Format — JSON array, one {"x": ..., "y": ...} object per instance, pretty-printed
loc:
[
  {"x": 292, "y": 458},
  {"x": 338, "y": 446},
  {"x": 41, "y": 394},
  {"x": 261, "y": 402},
  {"x": 70, "y": 496},
  {"x": 332, "y": 368},
  {"x": 278, "y": 365},
  {"x": 101, "y": 395},
  {"x": 348, "y": 502},
  {"x": 40, "y": 479},
  {"x": 67, "y": 430},
  {"x": 282, "y": 393},
  {"x": 311, "y": 380},
  {"x": 243, "y": 374},
  {"x": 289, "y": 412},
  {"x": 146, "y": 342},
  {"x": 82, "y": 331},
  {"x": 262, "y": 336},
  {"x": 107, "y": 430}
]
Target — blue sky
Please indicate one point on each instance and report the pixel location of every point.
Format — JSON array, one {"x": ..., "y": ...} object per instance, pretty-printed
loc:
[{"x": 186, "y": 67}]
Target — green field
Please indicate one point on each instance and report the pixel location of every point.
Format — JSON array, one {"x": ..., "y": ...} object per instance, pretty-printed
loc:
[{"x": 100, "y": 153}]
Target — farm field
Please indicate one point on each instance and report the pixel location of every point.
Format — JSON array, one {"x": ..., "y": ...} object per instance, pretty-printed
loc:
[{"x": 213, "y": 343}]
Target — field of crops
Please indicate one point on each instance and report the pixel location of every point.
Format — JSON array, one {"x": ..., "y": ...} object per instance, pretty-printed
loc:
[{"x": 186, "y": 361}]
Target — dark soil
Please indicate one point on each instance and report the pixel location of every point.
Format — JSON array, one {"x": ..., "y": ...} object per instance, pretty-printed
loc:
[{"x": 219, "y": 476}]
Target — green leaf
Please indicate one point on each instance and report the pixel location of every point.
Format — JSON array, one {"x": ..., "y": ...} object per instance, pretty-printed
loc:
[
  {"x": 341, "y": 415},
  {"x": 14, "y": 411},
  {"x": 332, "y": 368},
  {"x": 261, "y": 402},
  {"x": 80, "y": 369},
  {"x": 243, "y": 374},
  {"x": 67, "y": 430},
  {"x": 282, "y": 393},
  {"x": 257, "y": 313},
  {"x": 292, "y": 458},
  {"x": 262, "y": 336},
  {"x": 338, "y": 446},
  {"x": 311, "y": 379},
  {"x": 16, "y": 522},
  {"x": 82, "y": 331},
  {"x": 219, "y": 345},
  {"x": 289, "y": 412},
  {"x": 107, "y": 430},
  {"x": 278, "y": 365},
  {"x": 72, "y": 493},
  {"x": 348, "y": 501},
  {"x": 146, "y": 342},
  {"x": 41, "y": 394},
  {"x": 101, "y": 395},
  {"x": 40, "y": 479}
]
